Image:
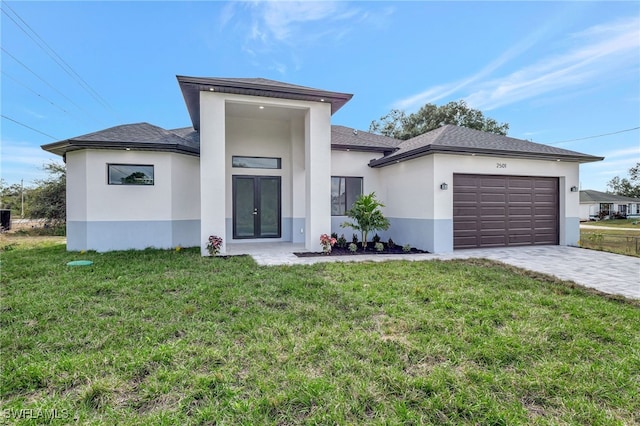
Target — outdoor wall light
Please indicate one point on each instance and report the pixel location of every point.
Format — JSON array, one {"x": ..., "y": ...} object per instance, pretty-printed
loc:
[
  {"x": 574, "y": 188},
  {"x": 444, "y": 186}
]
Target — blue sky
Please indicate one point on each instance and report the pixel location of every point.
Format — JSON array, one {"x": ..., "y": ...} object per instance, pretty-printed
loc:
[{"x": 555, "y": 71}]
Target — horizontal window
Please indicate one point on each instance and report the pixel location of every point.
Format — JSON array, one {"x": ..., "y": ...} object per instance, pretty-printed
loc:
[
  {"x": 344, "y": 192},
  {"x": 130, "y": 174},
  {"x": 256, "y": 162}
]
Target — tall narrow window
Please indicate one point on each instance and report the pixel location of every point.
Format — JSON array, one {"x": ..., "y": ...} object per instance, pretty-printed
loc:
[
  {"x": 344, "y": 192},
  {"x": 130, "y": 174}
]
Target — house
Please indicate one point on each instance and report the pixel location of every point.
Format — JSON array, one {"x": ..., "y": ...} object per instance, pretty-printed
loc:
[
  {"x": 261, "y": 161},
  {"x": 596, "y": 205}
]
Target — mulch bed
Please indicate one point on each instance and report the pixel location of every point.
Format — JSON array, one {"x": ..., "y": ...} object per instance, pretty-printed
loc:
[{"x": 344, "y": 251}]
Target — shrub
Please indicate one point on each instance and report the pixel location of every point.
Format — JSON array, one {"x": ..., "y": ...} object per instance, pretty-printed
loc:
[
  {"x": 327, "y": 243},
  {"x": 378, "y": 246},
  {"x": 354, "y": 239},
  {"x": 390, "y": 243},
  {"x": 353, "y": 247},
  {"x": 341, "y": 242},
  {"x": 214, "y": 245},
  {"x": 375, "y": 239},
  {"x": 406, "y": 248},
  {"x": 367, "y": 217},
  {"x": 334, "y": 235}
]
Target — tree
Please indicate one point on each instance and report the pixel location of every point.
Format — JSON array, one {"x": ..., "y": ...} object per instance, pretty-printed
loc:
[
  {"x": 48, "y": 199},
  {"x": 11, "y": 198},
  {"x": 627, "y": 187},
  {"x": 367, "y": 216},
  {"x": 397, "y": 124}
]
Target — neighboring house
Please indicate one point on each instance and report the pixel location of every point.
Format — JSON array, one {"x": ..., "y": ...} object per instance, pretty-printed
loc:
[
  {"x": 596, "y": 205},
  {"x": 262, "y": 162}
]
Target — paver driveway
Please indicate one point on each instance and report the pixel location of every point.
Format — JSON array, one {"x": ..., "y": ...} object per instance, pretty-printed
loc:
[{"x": 606, "y": 272}]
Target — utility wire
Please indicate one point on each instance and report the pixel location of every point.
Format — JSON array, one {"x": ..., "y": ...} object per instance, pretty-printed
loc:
[
  {"x": 595, "y": 136},
  {"x": 34, "y": 92},
  {"x": 46, "y": 82},
  {"x": 28, "y": 127},
  {"x": 56, "y": 57}
]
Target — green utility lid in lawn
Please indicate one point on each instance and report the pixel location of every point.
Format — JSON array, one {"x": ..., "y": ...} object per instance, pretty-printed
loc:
[{"x": 80, "y": 263}]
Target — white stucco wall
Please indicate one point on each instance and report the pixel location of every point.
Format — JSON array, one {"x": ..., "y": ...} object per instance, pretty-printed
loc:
[
  {"x": 299, "y": 134},
  {"x": 414, "y": 194},
  {"x": 355, "y": 164},
  {"x": 117, "y": 217}
]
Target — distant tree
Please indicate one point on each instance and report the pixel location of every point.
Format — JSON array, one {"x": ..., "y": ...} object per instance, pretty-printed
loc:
[
  {"x": 397, "y": 124},
  {"x": 48, "y": 198},
  {"x": 627, "y": 187},
  {"x": 11, "y": 198}
]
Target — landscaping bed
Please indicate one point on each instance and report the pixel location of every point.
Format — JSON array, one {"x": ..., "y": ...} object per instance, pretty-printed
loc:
[{"x": 345, "y": 251}]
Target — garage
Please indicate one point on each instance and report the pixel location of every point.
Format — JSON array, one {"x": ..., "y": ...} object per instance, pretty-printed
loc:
[{"x": 501, "y": 211}]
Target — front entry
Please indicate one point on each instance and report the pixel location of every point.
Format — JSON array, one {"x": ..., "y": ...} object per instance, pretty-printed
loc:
[{"x": 256, "y": 207}]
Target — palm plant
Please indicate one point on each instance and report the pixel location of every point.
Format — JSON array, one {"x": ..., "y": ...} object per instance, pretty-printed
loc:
[{"x": 367, "y": 217}]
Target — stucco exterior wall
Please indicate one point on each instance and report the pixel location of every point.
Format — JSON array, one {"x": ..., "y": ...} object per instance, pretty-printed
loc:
[
  {"x": 354, "y": 164},
  {"x": 259, "y": 138},
  {"x": 107, "y": 217},
  {"x": 421, "y": 213},
  {"x": 300, "y": 136}
]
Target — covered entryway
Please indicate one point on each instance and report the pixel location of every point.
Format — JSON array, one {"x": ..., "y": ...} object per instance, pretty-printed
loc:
[
  {"x": 256, "y": 207},
  {"x": 499, "y": 211}
]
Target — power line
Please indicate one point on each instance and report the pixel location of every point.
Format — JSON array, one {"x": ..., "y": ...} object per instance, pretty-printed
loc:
[
  {"x": 56, "y": 57},
  {"x": 28, "y": 127},
  {"x": 46, "y": 82},
  {"x": 34, "y": 92},
  {"x": 595, "y": 136}
]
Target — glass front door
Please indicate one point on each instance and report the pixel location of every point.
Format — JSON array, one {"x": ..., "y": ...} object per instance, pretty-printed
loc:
[{"x": 256, "y": 207}]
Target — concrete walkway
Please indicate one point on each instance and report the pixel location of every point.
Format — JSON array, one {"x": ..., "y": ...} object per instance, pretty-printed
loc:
[{"x": 606, "y": 272}]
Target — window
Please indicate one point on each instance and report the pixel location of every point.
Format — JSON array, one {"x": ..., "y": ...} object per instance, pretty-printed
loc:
[
  {"x": 605, "y": 208},
  {"x": 130, "y": 174},
  {"x": 256, "y": 162},
  {"x": 344, "y": 192}
]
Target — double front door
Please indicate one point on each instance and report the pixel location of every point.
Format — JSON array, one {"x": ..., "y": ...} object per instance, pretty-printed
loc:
[{"x": 256, "y": 207}]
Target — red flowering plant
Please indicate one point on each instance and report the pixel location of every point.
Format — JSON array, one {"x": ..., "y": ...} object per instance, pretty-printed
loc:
[
  {"x": 214, "y": 245},
  {"x": 327, "y": 242}
]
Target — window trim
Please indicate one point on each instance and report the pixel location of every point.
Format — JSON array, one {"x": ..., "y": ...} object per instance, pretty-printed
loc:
[
  {"x": 278, "y": 161},
  {"x": 153, "y": 171},
  {"x": 345, "y": 192}
]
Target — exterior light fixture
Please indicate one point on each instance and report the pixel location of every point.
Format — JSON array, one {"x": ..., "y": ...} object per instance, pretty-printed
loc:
[
  {"x": 127, "y": 149},
  {"x": 322, "y": 100},
  {"x": 261, "y": 107},
  {"x": 444, "y": 186},
  {"x": 211, "y": 89},
  {"x": 574, "y": 188}
]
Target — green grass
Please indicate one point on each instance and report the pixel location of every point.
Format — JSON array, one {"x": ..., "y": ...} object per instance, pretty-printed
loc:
[
  {"x": 617, "y": 223},
  {"x": 620, "y": 241},
  {"x": 166, "y": 337}
]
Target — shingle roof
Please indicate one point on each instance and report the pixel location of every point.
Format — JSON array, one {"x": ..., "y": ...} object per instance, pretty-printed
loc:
[
  {"x": 348, "y": 138},
  {"x": 140, "y": 136},
  {"x": 462, "y": 140},
  {"x": 588, "y": 196},
  {"x": 192, "y": 86}
]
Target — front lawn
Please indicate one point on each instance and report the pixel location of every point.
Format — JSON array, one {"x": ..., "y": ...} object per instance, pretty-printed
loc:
[{"x": 168, "y": 337}]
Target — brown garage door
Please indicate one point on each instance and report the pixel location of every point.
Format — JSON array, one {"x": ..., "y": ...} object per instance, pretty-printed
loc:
[{"x": 498, "y": 211}]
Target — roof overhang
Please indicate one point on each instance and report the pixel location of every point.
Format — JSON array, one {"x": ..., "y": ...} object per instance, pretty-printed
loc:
[
  {"x": 440, "y": 149},
  {"x": 192, "y": 86},
  {"x": 62, "y": 147}
]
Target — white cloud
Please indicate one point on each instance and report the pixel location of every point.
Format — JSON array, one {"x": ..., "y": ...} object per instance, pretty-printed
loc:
[
  {"x": 633, "y": 152},
  {"x": 596, "y": 52},
  {"x": 278, "y": 29},
  {"x": 22, "y": 160}
]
